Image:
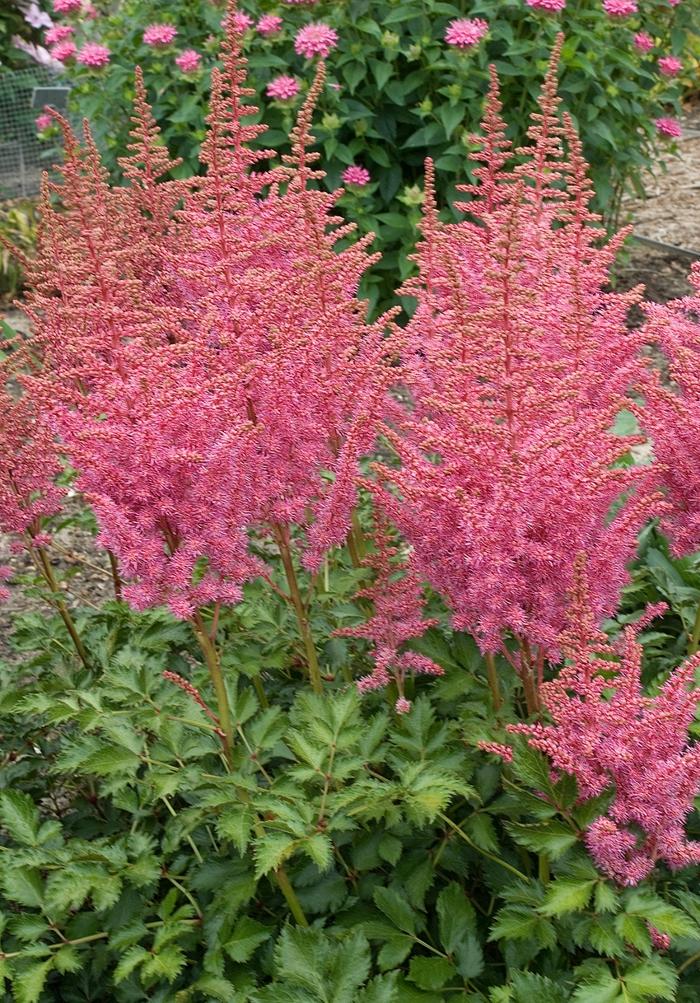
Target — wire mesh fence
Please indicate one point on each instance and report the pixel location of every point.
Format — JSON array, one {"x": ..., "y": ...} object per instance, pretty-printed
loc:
[{"x": 23, "y": 154}]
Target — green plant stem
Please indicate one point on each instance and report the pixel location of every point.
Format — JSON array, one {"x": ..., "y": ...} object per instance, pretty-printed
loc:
[
  {"x": 116, "y": 577},
  {"x": 491, "y": 856},
  {"x": 494, "y": 685},
  {"x": 694, "y": 639},
  {"x": 285, "y": 886},
  {"x": 543, "y": 868},
  {"x": 211, "y": 658},
  {"x": 282, "y": 536},
  {"x": 688, "y": 962},
  {"x": 44, "y": 565}
]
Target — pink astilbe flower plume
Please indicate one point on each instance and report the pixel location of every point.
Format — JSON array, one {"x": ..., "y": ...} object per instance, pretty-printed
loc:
[
  {"x": 607, "y": 732},
  {"x": 519, "y": 359},
  {"x": 397, "y": 599}
]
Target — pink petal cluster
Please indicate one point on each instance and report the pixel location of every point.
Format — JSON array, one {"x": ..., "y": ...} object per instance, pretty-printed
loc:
[
  {"x": 315, "y": 39},
  {"x": 670, "y": 66},
  {"x": 63, "y": 51},
  {"x": 67, "y": 6},
  {"x": 269, "y": 24},
  {"x": 643, "y": 41},
  {"x": 93, "y": 55},
  {"x": 241, "y": 22},
  {"x": 355, "y": 175},
  {"x": 668, "y": 127},
  {"x": 188, "y": 61},
  {"x": 397, "y": 601},
  {"x": 308, "y": 3},
  {"x": 159, "y": 35},
  {"x": 43, "y": 121},
  {"x": 168, "y": 355},
  {"x": 605, "y": 731},
  {"x": 620, "y": 8},
  {"x": 58, "y": 33},
  {"x": 282, "y": 88},
  {"x": 465, "y": 32},
  {"x": 548, "y": 6},
  {"x": 518, "y": 358}
]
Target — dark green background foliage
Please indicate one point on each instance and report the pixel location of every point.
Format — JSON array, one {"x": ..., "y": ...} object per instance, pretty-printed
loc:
[
  {"x": 136, "y": 867},
  {"x": 397, "y": 93}
]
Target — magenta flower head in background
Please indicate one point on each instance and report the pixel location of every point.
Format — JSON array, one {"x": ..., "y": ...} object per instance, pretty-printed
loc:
[
  {"x": 188, "y": 61},
  {"x": 43, "y": 121},
  {"x": 242, "y": 22},
  {"x": 64, "y": 51},
  {"x": 466, "y": 32},
  {"x": 67, "y": 6},
  {"x": 355, "y": 175},
  {"x": 269, "y": 24},
  {"x": 58, "y": 33},
  {"x": 643, "y": 41},
  {"x": 315, "y": 39},
  {"x": 548, "y": 6},
  {"x": 669, "y": 127},
  {"x": 283, "y": 88},
  {"x": 93, "y": 55},
  {"x": 670, "y": 66},
  {"x": 620, "y": 8},
  {"x": 159, "y": 35}
]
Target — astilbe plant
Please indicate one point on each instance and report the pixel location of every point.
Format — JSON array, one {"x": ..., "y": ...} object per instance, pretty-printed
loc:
[
  {"x": 519, "y": 362},
  {"x": 607, "y": 732}
]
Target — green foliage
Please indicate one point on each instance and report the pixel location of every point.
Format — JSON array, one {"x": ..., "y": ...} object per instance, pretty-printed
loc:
[{"x": 18, "y": 225}]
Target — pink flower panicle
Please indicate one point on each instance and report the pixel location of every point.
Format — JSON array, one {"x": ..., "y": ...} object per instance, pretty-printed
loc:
[
  {"x": 605, "y": 731},
  {"x": 188, "y": 61},
  {"x": 620, "y": 8},
  {"x": 643, "y": 41},
  {"x": 191, "y": 690},
  {"x": 269, "y": 24},
  {"x": 505, "y": 752},
  {"x": 315, "y": 39},
  {"x": 660, "y": 941},
  {"x": 547, "y": 6},
  {"x": 670, "y": 66},
  {"x": 518, "y": 358},
  {"x": 282, "y": 88},
  {"x": 670, "y": 127},
  {"x": 396, "y": 596},
  {"x": 355, "y": 175},
  {"x": 159, "y": 35},
  {"x": 466, "y": 32},
  {"x": 93, "y": 55},
  {"x": 58, "y": 33}
]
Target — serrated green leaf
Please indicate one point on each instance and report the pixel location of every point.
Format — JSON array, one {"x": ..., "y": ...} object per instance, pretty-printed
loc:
[
  {"x": 271, "y": 850},
  {"x": 654, "y": 978},
  {"x": 24, "y": 885},
  {"x": 130, "y": 960},
  {"x": 431, "y": 973},
  {"x": 29, "y": 981},
  {"x": 564, "y": 896},
  {"x": 532, "y": 988},
  {"x": 19, "y": 815},
  {"x": 553, "y": 838},
  {"x": 247, "y": 935},
  {"x": 456, "y": 916},
  {"x": 235, "y": 823},
  {"x": 396, "y": 908}
]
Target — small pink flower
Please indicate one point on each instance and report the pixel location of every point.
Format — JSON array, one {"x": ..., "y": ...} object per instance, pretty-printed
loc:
[
  {"x": 674, "y": 3},
  {"x": 58, "y": 33},
  {"x": 5, "y": 594},
  {"x": 17, "y": 547},
  {"x": 315, "y": 39},
  {"x": 64, "y": 51},
  {"x": 6, "y": 572},
  {"x": 90, "y": 12},
  {"x": 42, "y": 539},
  {"x": 159, "y": 35},
  {"x": 670, "y": 65},
  {"x": 355, "y": 175},
  {"x": 643, "y": 41},
  {"x": 620, "y": 8},
  {"x": 43, "y": 121},
  {"x": 283, "y": 88},
  {"x": 466, "y": 32},
  {"x": 661, "y": 941},
  {"x": 402, "y": 705},
  {"x": 241, "y": 22},
  {"x": 299, "y": 2},
  {"x": 67, "y": 6},
  {"x": 188, "y": 61},
  {"x": 548, "y": 6},
  {"x": 93, "y": 55},
  {"x": 669, "y": 127},
  {"x": 269, "y": 24}
]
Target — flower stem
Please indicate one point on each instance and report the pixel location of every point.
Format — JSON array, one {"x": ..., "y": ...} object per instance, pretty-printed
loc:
[
  {"x": 494, "y": 685},
  {"x": 41, "y": 559},
  {"x": 282, "y": 537},
  {"x": 694, "y": 639},
  {"x": 285, "y": 886},
  {"x": 211, "y": 657},
  {"x": 116, "y": 578}
]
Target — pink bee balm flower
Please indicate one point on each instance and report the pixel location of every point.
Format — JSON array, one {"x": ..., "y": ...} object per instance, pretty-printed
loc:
[
  {"x": 159, "y": 35},
  {"x": 188, "y": 61},
  {"x": 669, "y": 127},
  {"x": 43, "y": 122},
  {"x": 643, "y": 41},
  {"x": 549, "y": 6},
  {"x": 269, "y": 24},
  {"x": 465, "y": 32},
  {"x": 283, "y": 88},
  {"x": 670, "y": 65},
  {"x": 241, "y": 22},
  {"x": 93, "y": 55},
  {"x": 58, "y": 33},
  {"x": 315, "y": 40},
  {"x": 355, "y": 175},
  {"x": 64, "y": 50},
  {"x": 620, "y": 8},
  {"x": 67, "y": 6}
]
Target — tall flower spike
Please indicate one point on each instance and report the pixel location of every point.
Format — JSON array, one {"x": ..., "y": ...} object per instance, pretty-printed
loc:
[{"x": 606, "y": 732}]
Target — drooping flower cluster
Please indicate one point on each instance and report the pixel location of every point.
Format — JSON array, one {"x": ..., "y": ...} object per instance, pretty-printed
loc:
[
  {"x": 520, "y": 361},
  {"x": 397, "y": 600},
  {"x": 204, "y": 368},
  {"x": 607, "y": 732}
]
